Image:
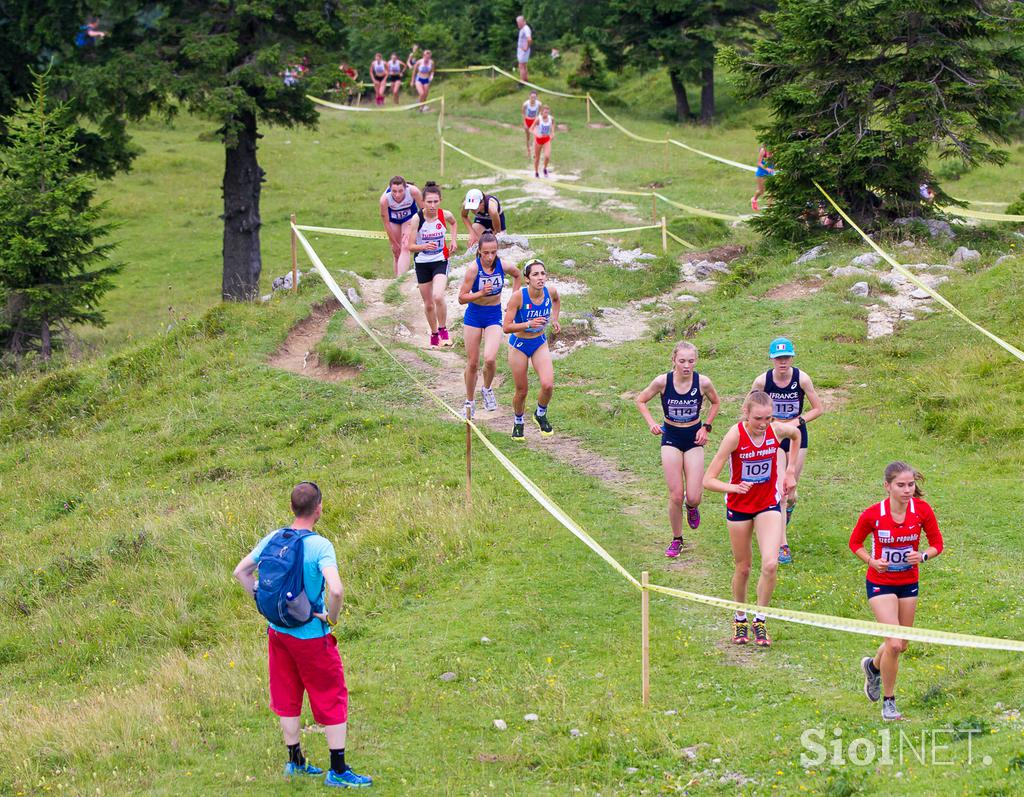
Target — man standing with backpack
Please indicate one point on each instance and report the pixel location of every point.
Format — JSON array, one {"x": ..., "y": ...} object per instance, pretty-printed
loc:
[{"x": 294, "y": 564}]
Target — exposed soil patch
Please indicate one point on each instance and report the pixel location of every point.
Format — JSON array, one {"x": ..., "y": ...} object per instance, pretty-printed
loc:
[
  {"x": 720, "y": 253},
  {"x": 740, "y": 655},
  {"x": 833, "y": 398},
  {"x": 795, "y": 290},
  {"x": 597, "y": 125},
  {"x": 297, "y": 353}
]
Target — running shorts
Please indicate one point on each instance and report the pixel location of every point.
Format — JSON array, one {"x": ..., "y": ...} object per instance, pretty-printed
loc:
[
  {"x": 425, "y": 272},
  {"x": 784, "y": 445},
  {"x": 682, "y": 437},
  {"x": 899, "y": 590},
  {"x": 733, "y": 515},
  {"x": 482, "y": 316},
  {"x": 528, "y": 345}
]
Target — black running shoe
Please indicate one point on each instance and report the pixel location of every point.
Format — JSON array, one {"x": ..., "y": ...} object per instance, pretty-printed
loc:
[
  {"x": 517, "y": 432},
  {"x": 761, "y": 634},
  {"x": 544, "y": 424}
]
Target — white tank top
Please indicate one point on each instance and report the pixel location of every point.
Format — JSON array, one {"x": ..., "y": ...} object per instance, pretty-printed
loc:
[
  {"x": 405, "y": 204},
  {"x": 425, "y": 67},
  {"x": 379, "y": 68},
  {"x": 531, "y": 111},
  {"x": 395, "y": 67},
  {"x": 432, "y": 231},
  {"x": 544, "y": 127}
]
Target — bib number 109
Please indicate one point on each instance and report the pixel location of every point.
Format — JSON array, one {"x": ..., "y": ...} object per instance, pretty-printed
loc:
[{"x": 756, "y": 471}]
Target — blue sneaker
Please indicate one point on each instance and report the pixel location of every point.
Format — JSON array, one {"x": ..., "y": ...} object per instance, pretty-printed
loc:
[
  {"x": 347, "y": 780},
  {"x": 306, "y": 769}
]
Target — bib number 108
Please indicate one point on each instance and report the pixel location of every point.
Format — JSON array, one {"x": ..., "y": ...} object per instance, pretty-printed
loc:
[{"x": 756, "y": 471}]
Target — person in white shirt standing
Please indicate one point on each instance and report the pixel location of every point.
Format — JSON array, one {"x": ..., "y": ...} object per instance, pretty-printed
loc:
[{"x": 524, "y": 45}]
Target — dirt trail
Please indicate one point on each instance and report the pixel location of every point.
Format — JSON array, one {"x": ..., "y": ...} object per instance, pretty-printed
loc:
[{"x": 297, "y": 353}]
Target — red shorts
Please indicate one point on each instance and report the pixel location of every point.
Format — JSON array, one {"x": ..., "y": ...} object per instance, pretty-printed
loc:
[
  {"x": 529, "y": 122},
  {"x": 307, "y": 665},
  {"x": 542, "y": 140}
]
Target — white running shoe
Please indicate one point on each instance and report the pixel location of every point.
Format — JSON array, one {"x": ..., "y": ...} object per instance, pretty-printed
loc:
[
  {"x": 490, "y": 400},
  {"x": 469, "y": 409}
]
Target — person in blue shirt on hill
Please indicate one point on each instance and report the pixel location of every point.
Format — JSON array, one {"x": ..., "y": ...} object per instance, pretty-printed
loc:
[{"x": 305, "y": 659}]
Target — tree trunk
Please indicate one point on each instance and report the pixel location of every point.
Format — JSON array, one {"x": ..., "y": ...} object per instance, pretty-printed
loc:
[
  {"x": 707, "y": 92},
  {"x": 242, "y": 180},
  {"x": 45, "y": 344},
  {"x": 682, "y": 103}
]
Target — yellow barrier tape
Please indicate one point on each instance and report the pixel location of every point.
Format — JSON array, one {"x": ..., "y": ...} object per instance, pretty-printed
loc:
[
  {"x": 380, "y": 234},
  {"x": 981, "y": 202},
  {"x": 510, "y": 76},
  {"x": 538, "y": 494},
  {"x": 850, "y": 625},
  {"x": 744, "y": 166},
  {"x": 582, "y": 189},
  {"x": 358, "y": 108},
  {"x": 967, "y": 213},
  {"x": 680, "y": 241},
  {"x": 464, "y": 69},
  {"x": 910, "y": 275},
  {"x": 623, "y": 130}
]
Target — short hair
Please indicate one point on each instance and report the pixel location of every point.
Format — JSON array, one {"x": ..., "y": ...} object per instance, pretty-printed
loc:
[
  {"x": 488, "y": 238},
  {"x": 684, "y": 344},
  {"x": 306, "y": 498},
  {"x": 894, "y": 469},
  {"x": 430, "y": 187},
  {"x": 397, "y": 180}
]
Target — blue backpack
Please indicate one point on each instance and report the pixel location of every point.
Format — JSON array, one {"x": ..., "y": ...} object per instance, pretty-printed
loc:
[{"x": 280, "y": 591}]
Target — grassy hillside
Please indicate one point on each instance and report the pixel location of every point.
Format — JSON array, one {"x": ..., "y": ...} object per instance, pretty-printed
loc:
[{"x": 134, "y": 481}]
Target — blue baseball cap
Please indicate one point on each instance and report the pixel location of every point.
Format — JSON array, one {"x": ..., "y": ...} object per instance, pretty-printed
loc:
[{"x": 781, "y": 347}]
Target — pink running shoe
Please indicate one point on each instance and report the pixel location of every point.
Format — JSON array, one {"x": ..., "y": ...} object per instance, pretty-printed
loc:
[
  {"x": 692, "y": 516},
  {"x": 435, "y": 341},
  {"x": 674, "y": 547},
  {"x": 443, "y": 334},
  {"x": 753, "y": 204}
]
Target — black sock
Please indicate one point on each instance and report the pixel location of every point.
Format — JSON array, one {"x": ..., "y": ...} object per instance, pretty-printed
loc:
[
  {"x": 891, "y": 697},
  {"x": 873, "y": 668},
  {"x": 295, "y": 755},
  {"x": 338, "y": 760}
]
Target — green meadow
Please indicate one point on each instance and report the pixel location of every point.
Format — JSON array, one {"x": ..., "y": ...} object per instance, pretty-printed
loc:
[{"x": 135, "y": 476}]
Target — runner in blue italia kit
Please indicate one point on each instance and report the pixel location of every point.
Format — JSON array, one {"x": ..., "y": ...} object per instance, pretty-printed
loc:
[
  {"x": 481, "y": 293},
  {"x": 683, "y": 436},
  {"x": 788, "y": 386},
  {"x": 527, "y": 315}
]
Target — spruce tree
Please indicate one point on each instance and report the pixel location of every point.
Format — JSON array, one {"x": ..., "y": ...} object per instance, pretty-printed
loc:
[
  {"x": 53, "y": 271},
  {"x": 862, "y": 95}
]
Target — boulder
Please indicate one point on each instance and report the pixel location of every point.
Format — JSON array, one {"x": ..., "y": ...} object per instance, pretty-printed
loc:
[
  {"x": 506, "y": 240},
  {"x": 705, "y": 268},
  {"x": 685, "y": 297},
  {"x": 920, "y": 293},
  {"x": 936, "y": 227},
  {"x": 448, "y": 676},
  {"x": 906, "y": 244},
  {"x": 501, "y": 725},
  {"x": 893, "y": 278},
  {"x": 868, "y": 259},
  {"x": 849, "y": 271},
  {"x": 860, "y": 289},
  {"x": 353, "y": 296},
  {"x": 1004, "y": 258},
  {"x": 964, "y": 255},
  {"x": 811, "y": 254},
  {"x": 284, "y": 282},
  {"x": 569, "y": 263}
]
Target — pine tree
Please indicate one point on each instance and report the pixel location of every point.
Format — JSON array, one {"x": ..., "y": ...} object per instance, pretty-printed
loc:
[
  {"x": 862, "y": 94},
  {"x": 52, "y": 270}
]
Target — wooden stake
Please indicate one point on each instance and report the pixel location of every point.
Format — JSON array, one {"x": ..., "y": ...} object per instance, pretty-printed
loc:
[
  {"x": 295, "y": 260},
  {"x": 654, "y": 208},
  {"x": 441, "y": 123},
  {"x": 664, "y": 235},
  {"x": 588, "y": 108},
  {"x": 666, "y": 158},
  {"x": 469, "y": 465},
  {"x": 645, "y": 637},
  {"x": 442, "y": 157}
]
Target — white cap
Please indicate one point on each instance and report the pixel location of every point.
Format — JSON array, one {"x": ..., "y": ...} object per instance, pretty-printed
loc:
[{"x": 473, "y": 199}]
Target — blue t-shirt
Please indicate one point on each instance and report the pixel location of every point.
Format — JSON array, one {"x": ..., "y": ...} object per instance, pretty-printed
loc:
[{"x": 317, "y": 553}]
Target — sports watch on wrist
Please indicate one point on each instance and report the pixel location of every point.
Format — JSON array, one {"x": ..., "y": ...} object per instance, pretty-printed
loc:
[{"x": 707, "y": 426}]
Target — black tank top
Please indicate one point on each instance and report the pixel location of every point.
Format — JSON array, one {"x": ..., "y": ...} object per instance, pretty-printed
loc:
[
  {"x": 788, "y": 400},
  {"x": 483, "y": 214},
  {"x": 682, "y": 407}
]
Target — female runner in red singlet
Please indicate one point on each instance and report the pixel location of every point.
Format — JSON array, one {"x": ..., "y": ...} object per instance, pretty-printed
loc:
[
  {"x": 894, "y": 526},
  {"x": 752, "y": 502}
]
